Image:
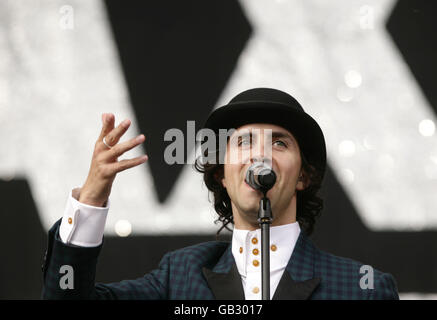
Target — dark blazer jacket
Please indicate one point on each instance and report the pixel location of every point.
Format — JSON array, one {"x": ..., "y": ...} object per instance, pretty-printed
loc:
[{"x": 208, "y": 271}]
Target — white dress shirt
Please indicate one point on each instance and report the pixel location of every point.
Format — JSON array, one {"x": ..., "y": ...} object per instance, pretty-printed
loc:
[
  {"x": 83, "y": 225},
  {"x": 246, "y": 249}
]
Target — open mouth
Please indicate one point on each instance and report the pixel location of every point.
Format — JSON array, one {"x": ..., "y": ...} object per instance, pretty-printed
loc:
[
  {"x": 248, "y": 185},
  {"x": 252, "y": 189}
]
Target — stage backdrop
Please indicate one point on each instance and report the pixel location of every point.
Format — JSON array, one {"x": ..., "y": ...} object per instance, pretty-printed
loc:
[{"x": 363, "y": 69}]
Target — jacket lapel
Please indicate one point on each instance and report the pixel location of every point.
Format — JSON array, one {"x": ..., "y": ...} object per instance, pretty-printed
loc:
[
  {"x": 288, "y": 289},
  {"x": 224, "y": 280},
  {"x": 298, "y": 281}
]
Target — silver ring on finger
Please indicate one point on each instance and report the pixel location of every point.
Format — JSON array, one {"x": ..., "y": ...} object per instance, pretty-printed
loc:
[{"x": 106, "y": 144}]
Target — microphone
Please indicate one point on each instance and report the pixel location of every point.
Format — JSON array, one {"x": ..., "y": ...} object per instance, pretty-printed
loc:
[{"x": 260, "y": 176}]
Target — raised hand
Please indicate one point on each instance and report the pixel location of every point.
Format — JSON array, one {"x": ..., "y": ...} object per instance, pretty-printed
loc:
[{"x": 104, "y": 164}]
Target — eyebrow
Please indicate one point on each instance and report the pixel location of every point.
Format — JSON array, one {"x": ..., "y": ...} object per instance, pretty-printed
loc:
[
  {"x": 280, "y": 134},
  {"x": 275, "y": 135}
]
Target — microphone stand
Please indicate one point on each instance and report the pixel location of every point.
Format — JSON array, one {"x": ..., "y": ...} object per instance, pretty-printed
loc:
[{"x": 265, "y": 220}]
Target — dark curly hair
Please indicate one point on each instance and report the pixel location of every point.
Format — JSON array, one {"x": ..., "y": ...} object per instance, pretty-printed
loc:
[{"x": 308, "y": 207}]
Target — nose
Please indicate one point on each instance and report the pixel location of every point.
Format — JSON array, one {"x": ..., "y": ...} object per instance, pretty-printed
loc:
[
  {"x": 262, "y": 151},
  {"x": 264, "y": 159}
]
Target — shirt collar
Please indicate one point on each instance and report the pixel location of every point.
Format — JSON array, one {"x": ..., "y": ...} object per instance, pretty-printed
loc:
[{"x": 283, "y": 239}]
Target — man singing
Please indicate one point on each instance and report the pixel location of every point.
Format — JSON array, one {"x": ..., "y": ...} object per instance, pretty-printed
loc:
[{"x": 271, "y": 128}]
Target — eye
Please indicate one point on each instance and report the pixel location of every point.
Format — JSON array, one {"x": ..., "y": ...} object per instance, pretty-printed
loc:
[
  {"x": 280, "y": 143},
  {"x": 244, "y": 141}
]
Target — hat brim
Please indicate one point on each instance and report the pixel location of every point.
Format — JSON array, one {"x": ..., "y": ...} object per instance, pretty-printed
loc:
[{"x": 304, "y": 128}]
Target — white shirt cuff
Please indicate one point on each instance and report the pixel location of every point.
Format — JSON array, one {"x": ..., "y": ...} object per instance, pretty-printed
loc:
[{"x": 82, "y": 225}]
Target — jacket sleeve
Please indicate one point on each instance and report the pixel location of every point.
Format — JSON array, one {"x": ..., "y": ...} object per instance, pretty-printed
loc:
[
  {"x": 385, "y": 288},
  {"x": 69, "y": 273}
]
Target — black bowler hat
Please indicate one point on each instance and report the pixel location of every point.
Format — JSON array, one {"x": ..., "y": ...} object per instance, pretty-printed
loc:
[{"x": 265, "y": 105}]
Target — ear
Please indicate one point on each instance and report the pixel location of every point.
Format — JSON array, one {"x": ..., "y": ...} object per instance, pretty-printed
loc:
[
  {"x": 302, "y": 181},
  {"x": 223, "y": 183},
  {"x": 219, "y": 177}
]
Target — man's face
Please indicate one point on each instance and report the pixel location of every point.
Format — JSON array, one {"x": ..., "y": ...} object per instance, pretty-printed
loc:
[{"x": 277, "y": 147}]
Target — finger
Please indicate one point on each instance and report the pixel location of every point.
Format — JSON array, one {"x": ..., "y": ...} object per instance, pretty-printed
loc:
[
  {"x": 127, "y": 163},
  {"x": 121, "y": 148},
  {"x": 108, "y": 120},
  {"x": 114, "y": 136}
]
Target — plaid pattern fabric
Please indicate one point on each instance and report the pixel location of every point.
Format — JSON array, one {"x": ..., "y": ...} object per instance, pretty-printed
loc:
[
  {"x": 340, "y": 277},
  {"x": 179, "y": 275}
]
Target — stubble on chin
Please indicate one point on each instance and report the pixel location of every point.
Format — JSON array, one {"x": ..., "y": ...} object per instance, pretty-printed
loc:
[{"x": 249, "y": 214}]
